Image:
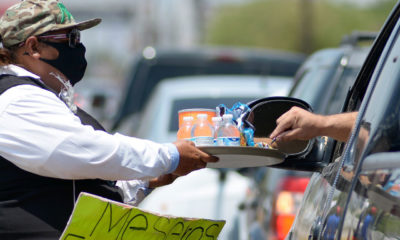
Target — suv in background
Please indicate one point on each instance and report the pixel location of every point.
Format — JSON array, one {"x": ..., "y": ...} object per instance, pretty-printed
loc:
[
  {"x": 325, "y": 78},
  {"x": 323, "y": 81},
  {"x": 155, "y": 65}
]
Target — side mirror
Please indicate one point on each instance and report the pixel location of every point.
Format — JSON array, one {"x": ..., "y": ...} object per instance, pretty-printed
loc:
[
  {"x": 265, "y": 112},
  {"x": 299, "y": 155},
  {"x": 311, "y": 155}
]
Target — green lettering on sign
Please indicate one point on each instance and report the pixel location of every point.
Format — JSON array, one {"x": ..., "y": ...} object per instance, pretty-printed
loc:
[
  {"x": 64, "y": 12},
  {"x": 96, "y": 218}
]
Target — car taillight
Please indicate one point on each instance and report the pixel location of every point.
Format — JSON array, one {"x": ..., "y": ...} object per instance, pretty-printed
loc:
[
  {"x": 287, "y": 202},
  {"x": 79, "y": 100}
]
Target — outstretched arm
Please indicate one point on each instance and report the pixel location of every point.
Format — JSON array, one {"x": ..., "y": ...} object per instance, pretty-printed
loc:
[{"x": 300, "y": 124}]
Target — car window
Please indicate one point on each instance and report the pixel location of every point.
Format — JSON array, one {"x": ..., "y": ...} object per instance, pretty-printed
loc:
[
  {"x": 381, "y": 117},
  {"x": 210, "y": 103}
]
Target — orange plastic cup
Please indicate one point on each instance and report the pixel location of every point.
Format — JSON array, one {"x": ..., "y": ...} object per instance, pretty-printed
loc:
[{"x": 193, "y": 113}]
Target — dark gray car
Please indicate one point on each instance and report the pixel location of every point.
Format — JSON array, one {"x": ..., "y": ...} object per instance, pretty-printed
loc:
[
  {"x": 323, "y": 81},
  {"x": 355, "y": 192}
]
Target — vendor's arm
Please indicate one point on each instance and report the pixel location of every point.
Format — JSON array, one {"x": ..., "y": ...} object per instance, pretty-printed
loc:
[
  {"x": 300, "y": 124},
  {"x": 38, "y": 133}
]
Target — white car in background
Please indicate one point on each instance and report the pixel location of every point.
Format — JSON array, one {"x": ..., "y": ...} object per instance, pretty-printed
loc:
[
  {"x": 159, "y": 121},
  {"x": 207, "y": 193}
]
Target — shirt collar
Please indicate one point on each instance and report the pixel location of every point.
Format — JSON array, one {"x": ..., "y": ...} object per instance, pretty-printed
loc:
[{"x": 16, "y": 71}]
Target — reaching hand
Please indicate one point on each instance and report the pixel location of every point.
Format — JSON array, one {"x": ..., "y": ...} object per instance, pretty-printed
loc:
[
  {"x": 297, "y": 123},
  {"x": 191, "y": 158},
  {"x": 300, "y": 124}
]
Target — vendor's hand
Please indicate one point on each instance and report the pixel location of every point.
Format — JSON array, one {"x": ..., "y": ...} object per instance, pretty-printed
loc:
[
  {"x": 162, "y": 180},
  {"x": 191, "y": 158},
  {"x": 297, "y": 124}
]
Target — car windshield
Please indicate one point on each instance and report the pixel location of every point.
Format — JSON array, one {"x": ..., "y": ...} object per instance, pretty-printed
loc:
[
  {"x": 149, "y": 75},
  {"x": 148, "y": 72},
  {"x": 311, "y": 85},
  {"x": 163, "y": 71},
  {"x": 325, "y": 89},
  {"x": 340, "y": 93},
  {"x": 210, "y": 103}
]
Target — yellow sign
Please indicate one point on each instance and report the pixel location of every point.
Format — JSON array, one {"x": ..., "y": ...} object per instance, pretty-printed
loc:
[{"x": 102, "y": 219}]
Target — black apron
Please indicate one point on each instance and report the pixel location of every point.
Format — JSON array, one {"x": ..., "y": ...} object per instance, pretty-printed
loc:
[{"x": 35, "y": 207}]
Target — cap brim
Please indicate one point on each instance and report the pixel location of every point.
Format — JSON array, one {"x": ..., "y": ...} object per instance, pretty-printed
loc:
[
  {"x": 88, "y": 24},
  {"x": 80, "y": 25}
]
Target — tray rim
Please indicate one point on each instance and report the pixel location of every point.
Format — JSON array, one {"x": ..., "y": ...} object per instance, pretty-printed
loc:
[
  {"x": 221, "y": 151},
  {"x": 241, "y": 150}
]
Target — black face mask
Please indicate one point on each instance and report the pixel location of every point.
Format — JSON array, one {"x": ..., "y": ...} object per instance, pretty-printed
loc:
[{"x": 71, "y": 61}]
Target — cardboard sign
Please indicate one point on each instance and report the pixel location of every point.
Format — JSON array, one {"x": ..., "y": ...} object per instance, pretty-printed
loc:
[{"x": 102, "y": 219}]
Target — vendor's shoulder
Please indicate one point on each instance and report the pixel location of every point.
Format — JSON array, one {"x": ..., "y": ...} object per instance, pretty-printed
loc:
[{"x": 10, "y": 81}]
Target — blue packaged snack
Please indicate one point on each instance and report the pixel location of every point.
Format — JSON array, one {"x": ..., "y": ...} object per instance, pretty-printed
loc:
[
  {"x": 222, "y": 109},
  {"x": 248, "y": 135},
  {"x": 239, "y": 112}
]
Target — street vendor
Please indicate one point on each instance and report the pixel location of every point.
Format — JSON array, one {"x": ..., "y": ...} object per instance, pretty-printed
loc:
[{"x": 50, "y": 150}]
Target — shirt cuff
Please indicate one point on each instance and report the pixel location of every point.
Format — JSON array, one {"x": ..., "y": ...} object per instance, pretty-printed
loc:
[
  {"x": 134, "y": 191},
  {"x": 174, "y": 153}
]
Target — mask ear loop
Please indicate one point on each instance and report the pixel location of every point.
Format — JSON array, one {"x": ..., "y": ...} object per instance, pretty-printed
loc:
[
  {"x": 67, "y": 96},
  {"x": 67, "y": 92}
]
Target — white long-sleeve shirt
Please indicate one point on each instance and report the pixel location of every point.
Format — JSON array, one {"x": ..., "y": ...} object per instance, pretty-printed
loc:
[{"x": 40, "y": 134}]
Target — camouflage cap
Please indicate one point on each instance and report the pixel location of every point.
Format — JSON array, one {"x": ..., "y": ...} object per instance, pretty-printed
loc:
[{"x": 35, "y": 17}]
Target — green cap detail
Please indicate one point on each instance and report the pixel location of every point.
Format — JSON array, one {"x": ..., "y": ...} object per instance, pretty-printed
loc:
[
  {"x": 64, "y": 12},
  {"x": 34, "y": 17}
]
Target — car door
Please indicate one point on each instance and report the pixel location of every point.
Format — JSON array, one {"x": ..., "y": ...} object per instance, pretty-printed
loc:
[{"x": 372, "y": 209}]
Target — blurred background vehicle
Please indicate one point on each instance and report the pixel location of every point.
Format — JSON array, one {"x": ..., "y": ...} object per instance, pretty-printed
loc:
[
  {"x": 331, "y": 72},
  {"x": 98, "y": 97},
  {"x": 207, "y": 193},
  {"x": 323, "y": 81},
  {"x": 155, "y": 65},
  {"x": 159, "y": 121}
]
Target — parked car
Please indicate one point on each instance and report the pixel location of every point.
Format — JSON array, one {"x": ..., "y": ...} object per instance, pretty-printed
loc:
[
  {"x": 323, "y": 81},
  {"x": 159, "y": 121},
  {"x": 157, "y": 64},
  {"x": 207, "y": 193},
  {"x": 353, "y": 192}
]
